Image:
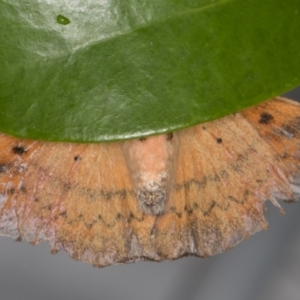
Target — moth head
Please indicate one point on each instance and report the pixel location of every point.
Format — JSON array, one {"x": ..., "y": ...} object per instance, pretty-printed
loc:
[{"x": 152, "y": 201}]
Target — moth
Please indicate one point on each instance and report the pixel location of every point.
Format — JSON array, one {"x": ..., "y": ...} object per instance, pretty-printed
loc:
[{"x": 199, "y": 191}]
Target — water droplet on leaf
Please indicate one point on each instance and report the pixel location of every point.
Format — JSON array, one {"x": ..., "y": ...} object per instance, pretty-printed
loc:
[{"x": 62, "y": 20}]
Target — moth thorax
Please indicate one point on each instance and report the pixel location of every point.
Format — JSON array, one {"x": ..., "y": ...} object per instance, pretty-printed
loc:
[{"x": 150, "y": 162}]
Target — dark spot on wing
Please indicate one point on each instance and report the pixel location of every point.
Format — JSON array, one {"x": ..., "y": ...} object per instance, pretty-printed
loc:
[
  {"x": 219, "y": 140},
  {"x": 77, "y": 158},
  {"x": 170, "y": 136},
  {"x": 142, "y": 139},
  {"x": 265, "y": 118},
  {"x": 19, "y": 150}
]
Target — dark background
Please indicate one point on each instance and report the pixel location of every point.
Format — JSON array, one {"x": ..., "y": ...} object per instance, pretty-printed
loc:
[{"x": 266, "y": 266}]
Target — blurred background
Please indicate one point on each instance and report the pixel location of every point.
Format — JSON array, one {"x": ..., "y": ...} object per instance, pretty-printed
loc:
[{"x": 266, "y": 266}]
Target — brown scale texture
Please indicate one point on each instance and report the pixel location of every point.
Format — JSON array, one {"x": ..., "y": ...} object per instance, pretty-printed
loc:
[{"x": 82, "y": 198}]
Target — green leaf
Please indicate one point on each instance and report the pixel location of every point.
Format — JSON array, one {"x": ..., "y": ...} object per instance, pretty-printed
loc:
[{"x": 81, "y": 70}]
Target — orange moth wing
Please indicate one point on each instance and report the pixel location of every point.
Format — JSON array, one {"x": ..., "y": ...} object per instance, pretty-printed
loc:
[{"x": 199, "y": 191}]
